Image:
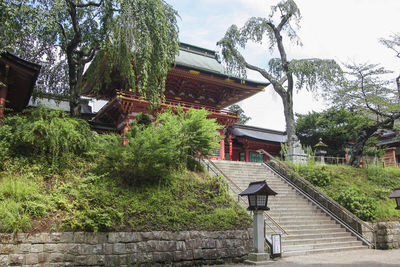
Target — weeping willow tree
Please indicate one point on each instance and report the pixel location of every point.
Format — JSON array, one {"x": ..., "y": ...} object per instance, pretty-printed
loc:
[
  {"x": 140, "y": 37},
  {"x": 283, "y": 73}
]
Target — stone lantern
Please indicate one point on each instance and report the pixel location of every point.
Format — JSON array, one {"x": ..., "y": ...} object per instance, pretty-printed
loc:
[
  {"x": 257, "y": 194},
  {"x": 320, "y": 148},
  {"x": 396, "y": 195}
]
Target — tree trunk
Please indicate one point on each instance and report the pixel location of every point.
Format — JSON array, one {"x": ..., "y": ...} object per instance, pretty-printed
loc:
[{"x": 287, "y": 102}]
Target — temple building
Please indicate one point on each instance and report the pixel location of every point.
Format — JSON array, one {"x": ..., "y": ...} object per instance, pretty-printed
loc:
[
  {"x": 17, "y": 79},
  {"x": 197, "y": 80}
]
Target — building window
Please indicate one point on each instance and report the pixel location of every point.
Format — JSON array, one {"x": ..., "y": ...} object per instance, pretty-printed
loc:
[
  {"x": 256, "y": 157},
  {"x": 242, "y": 156}
]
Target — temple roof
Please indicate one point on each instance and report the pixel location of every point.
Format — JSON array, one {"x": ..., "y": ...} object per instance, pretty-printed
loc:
[
  {"x": 20, "y": 79},
  {"x": 205, "y": 60},
  {"x": 258, "y": 133}
]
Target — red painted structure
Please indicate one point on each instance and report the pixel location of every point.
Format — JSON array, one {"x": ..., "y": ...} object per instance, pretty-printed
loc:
[{"x": 196, "y": 81}]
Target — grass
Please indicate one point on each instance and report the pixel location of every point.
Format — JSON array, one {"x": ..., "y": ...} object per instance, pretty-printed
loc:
[
  {"x": 82, "y": 199},
  {"x": 362, "y": 191}
]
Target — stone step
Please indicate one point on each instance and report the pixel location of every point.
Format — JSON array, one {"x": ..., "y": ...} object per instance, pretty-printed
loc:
[
  {"x": 310, "y": 229},
  {"x": 322, "y": 245},
  {"x": 348, "y": 238},
  {"x": 311, "y": 235},
  {"x": 323, "y": 250}
]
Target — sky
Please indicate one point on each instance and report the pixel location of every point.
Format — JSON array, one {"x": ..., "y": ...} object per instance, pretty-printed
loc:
[{"x": 344, "y": 30}]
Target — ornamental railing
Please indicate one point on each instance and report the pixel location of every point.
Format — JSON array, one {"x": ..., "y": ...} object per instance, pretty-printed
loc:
[
  {"x": 183, "y": 104},
  {"x": 352, "y": 223}
]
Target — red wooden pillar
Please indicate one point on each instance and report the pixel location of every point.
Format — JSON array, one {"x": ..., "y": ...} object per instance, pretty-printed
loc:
[
  {"x": 3, "y": 96},
  {"x": 222, "y": 145}
]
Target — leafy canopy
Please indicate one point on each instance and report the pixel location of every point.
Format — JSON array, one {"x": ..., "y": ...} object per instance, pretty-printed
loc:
[
  {"x": 139, "y": 37},
  {"x": 283, "y": 73}
]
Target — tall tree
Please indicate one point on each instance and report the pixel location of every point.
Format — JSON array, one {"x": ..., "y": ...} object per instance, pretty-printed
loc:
[
  {"x": 366, "y": 92},
  {"x": 284, "y": 74},
  {"x": 139, "y": 37},
  {"x": 336, "y": 127}
]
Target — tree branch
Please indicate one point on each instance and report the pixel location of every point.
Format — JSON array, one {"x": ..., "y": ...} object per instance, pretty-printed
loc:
[{"x": 88, "y": 4}]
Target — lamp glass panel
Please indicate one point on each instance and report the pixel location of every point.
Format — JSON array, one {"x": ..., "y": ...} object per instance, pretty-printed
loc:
[
  {"x": 252, "y": 200},
  {"x": 261, "y": 200}
]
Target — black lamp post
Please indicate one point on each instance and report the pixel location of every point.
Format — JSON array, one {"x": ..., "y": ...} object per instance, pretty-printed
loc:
[{"x": 396, "y": 195}]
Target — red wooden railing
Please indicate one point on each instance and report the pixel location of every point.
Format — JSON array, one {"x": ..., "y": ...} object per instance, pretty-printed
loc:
[{"x": 173, "y": 102}]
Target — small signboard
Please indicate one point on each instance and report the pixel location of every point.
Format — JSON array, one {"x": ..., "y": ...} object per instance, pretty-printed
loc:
[{"x": 276, "y": 245}]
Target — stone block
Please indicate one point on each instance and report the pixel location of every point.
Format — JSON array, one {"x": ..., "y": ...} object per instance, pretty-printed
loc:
[
  {"x": 55, "y": 237},
  {"x": 113, "y": 237},
  {"x": 164, "y": 246},
  {"x": 163, "y": 257},
  {"x": 166, "y": 235},
  {"x": 97, "y": 260},
  {"x": 79, "y": 237},
  {"x": 56, "y": 257},
  {"x": 69, "y": 248},
  {"x": 43, "y": 257},
  {"x": 147, "y": 236},
  {"x": 4, "y": 260},
  {"x": 31, "y": 259},
  {"x": 119, "y": 248},
  {"x": 180, "y": 245},
  {"x": 16, "y": 259},
  {"x": 49, "y": 247},
  {"x": 111, "y": 260},
  {"x": 194, "y": 243},
  {"x": 108, "y": 248},
  {"x": 131, "y": 247},
  {"x": 182, "y": 236},
  {"x": 210, "y": 254},
  {"x": 67, "y": 237},
  {"x": 221, "y": 243},
  {"x": 198, "y": 234},
  {"x": 183, "y": 255},
  {"x": 24, "y": 248},
  {"x": 208, "y": 243},
  {"x": 36, "y": 248},
  {"x": 6, "y": 238},
  {"x": 8, "y": 248},
  {"x": 130, "y": 237},
  {"x": 197, "y": 254}
]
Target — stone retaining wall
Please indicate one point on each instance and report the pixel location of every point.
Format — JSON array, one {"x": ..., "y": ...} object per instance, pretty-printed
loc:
[
  {"x": 123, "y": 248},
  {"x": 387, "y": 235}
]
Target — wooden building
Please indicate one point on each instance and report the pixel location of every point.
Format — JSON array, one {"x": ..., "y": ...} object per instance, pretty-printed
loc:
[
  {"x": 197, "y": 80},
  {"x": 17, "y": 79}
]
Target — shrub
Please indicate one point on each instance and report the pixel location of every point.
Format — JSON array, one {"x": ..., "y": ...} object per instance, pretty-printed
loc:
[
  {"x": 154, "y": 150},
  {"x": 51, "y": 134},
  {"x": 380, "y": 176},
  {"x": 316, "y": 174},
  {"x": 361, "y": 205}
]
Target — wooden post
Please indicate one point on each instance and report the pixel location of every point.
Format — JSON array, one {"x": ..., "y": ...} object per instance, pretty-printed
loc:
[
  {"x": 222, "y": 145},
  {"x": 3, "y": 94}
]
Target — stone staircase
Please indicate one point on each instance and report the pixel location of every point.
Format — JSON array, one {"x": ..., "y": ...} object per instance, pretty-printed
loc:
[{"x": 309, "y": 229}]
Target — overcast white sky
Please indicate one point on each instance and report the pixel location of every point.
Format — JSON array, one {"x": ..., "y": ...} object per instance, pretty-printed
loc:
[{"x": 344, "y": 30}]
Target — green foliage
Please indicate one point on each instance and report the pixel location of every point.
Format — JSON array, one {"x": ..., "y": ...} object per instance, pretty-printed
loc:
[
  {"x": 154, "y": 151},
  {"x": 336, "y": 128},
  {"x": 21, "y": 199},
  {"x": 357, "y": 202},
  {"x": 364, "y": 192},
  {"x": 318, "y": 175},
  {"x": 46, "y": 133}
]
